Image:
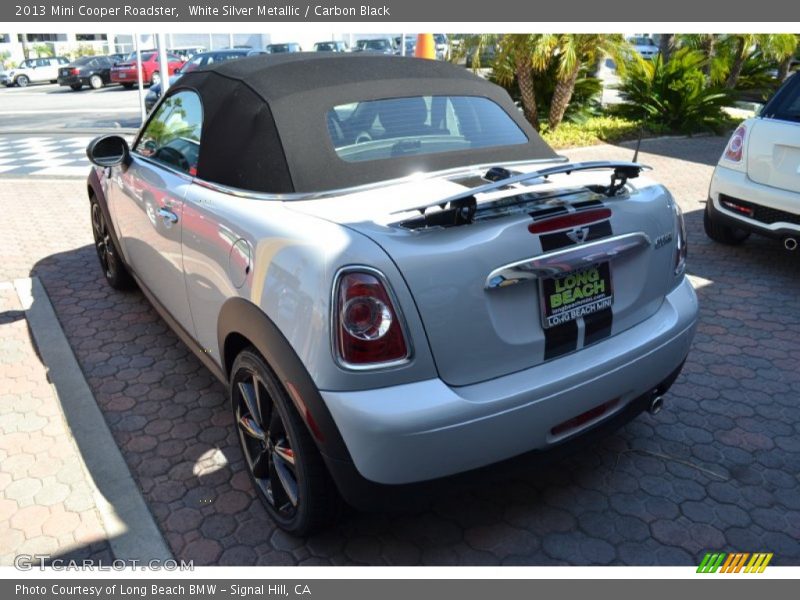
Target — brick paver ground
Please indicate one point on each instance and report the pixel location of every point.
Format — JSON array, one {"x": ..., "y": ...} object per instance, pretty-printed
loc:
[
  {"x": 47, "y": 504},
  {"x": 717, "y": 469}
]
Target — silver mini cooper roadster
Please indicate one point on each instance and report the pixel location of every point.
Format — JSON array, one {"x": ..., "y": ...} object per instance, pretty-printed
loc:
[{"x": 396, "y": 278}]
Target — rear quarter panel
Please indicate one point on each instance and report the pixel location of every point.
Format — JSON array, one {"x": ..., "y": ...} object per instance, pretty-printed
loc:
[{"x": 293, "y": 261}]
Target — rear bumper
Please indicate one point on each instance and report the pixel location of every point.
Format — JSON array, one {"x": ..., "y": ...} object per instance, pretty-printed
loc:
[
  {"x": 70, "y": 80},
  {"x": 740, "y": 187},
  {"x": 127, "y": 78},
  {"x": 427, "y": 430}
]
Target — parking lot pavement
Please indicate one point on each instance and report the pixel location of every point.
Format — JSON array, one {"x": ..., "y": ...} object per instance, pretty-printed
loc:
[
  {"x": 52, "y": 108},
  {"x": 717, "y": 469},
  {"x": 44, "y": 155}
]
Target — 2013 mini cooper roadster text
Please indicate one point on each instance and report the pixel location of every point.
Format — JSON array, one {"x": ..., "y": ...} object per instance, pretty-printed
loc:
[{"x": 395, "y": 276}]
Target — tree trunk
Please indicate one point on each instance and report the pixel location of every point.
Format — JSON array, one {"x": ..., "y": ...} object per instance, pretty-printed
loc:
[
  {"x": 783, "y": 68},
  {"x": 528, "y": 94},
  {"x": 707, "y": 47},
  {"x": 736, "y": 67},
  {"x": 666, "y": 44},
  {"x": 562, "y": 96}
]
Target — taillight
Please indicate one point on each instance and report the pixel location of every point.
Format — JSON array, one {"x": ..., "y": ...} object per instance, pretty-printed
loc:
[
  {"x": 75, "y": 71},
  {"x": 681, "y": 249},
  {"x": 585, "y": 217},
  {"x": 366, "y": 323},
  {"x": 735, "y": 147}
]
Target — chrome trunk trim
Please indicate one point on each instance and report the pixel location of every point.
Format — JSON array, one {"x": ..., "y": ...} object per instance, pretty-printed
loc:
[{"x": 563, "y": 261}]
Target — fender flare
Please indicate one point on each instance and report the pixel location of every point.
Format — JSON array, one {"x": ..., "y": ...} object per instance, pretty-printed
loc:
[
  {"x": 246, "y": 320},
  {"x": 96, "y": 188}
]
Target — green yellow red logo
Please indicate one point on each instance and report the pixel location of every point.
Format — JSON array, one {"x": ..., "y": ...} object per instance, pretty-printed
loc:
[{"x": 734, "y": 562}]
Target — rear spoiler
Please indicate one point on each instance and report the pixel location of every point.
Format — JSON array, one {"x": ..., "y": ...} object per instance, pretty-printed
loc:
[{"x": 622, "y": 172}]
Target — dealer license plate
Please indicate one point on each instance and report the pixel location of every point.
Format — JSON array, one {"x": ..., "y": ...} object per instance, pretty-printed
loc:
[{"x": 575, "y": 294}]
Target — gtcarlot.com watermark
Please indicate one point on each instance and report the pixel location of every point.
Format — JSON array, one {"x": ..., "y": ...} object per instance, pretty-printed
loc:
[{"x": 29, "y": 562}]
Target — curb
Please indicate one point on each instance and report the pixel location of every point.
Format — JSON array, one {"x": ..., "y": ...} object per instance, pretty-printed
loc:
[{"x": 132, "y": 532}]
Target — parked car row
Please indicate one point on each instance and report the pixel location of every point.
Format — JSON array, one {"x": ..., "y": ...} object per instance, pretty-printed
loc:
[
  {"x": 202, "y": 59},
  {"x": 89, "y": 71}
]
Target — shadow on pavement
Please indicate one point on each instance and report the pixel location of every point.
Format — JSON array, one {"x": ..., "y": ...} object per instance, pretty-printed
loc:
[{"x": 704, "y": 150}]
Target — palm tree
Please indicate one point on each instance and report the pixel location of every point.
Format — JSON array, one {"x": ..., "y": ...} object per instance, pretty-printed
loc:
[
  {"x": 528, "y": 53},
  {"x": 706, "y": 44},
  {"x": 666, "y": 44},
  {"x": 741, "y": 43},
  {"x": 776, "y": 46},
  {"x": 784, "y": 48},
  {"x": 573, "y": 51}
]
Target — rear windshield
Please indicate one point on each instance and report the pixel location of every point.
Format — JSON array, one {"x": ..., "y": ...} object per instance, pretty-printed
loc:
[
  {"x": 376, "y": 45},
  {"x": 785, "y": 105},
  {"x": 394, "y": 127}
]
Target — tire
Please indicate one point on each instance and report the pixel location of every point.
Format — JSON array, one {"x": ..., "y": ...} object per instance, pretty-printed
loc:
[
  {"x": 76, "y": 87},
  {"x": 127, "y": 86},
  {"x": 284, "y": 464},
  {"x": 114, "y": 270},
  {"x": 155, "y": 78},
  {"x": 730, "y": 236},
  {"x": 22, "y": 81},
  {"x": 95, "y": 82}
]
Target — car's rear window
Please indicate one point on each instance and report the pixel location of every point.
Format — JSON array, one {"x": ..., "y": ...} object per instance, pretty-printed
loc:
[
  {"x": 785, "y": 105},
  {"x": 395, "y": 127},
  {"x": 376, "y": 45}
]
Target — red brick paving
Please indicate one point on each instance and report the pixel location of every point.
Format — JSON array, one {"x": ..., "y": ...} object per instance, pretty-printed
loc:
[{"x": 44, "y": 495}]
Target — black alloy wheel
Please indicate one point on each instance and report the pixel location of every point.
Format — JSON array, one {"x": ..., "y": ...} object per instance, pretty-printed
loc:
[
  {"x": 114, "y": 271},
  {"x": 284, "y": 464}
]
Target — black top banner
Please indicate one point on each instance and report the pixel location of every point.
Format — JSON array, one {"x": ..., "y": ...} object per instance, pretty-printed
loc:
[{"x": 461, "y": 11}]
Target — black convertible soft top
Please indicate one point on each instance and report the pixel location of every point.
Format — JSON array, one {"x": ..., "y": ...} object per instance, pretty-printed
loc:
[{"x": 265, "y": 127}]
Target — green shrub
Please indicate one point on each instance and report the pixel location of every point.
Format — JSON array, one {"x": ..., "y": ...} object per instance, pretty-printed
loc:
[
  {"x": 757, "y": 81},
  {"x": 595, "y": 130},
  {"x": 674, "y": 96}
]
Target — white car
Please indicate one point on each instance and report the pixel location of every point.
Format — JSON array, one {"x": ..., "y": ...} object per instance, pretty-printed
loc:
[
  {"x": 756, "y": 185},
  {"x": 645, "y": 46},
  {"x": 36, "y": 70}
]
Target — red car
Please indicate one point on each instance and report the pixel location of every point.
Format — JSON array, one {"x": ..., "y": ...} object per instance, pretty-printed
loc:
[{"x": 125, "y": 72}]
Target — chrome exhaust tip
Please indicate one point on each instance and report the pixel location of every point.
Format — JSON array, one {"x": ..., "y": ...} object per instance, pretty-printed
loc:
[
  {"x": 656, "y": 404},
  {"x": 790, "y": 244}
]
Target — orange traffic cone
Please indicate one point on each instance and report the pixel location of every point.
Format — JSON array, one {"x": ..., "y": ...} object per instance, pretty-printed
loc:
[{"x": 425, "y": 46}]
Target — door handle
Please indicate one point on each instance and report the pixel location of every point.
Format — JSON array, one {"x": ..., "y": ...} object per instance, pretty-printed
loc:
[{"x": 168, "y": 215}]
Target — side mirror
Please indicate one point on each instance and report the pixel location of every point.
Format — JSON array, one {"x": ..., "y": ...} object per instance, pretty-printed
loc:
[{"x": 109, "y": 151}]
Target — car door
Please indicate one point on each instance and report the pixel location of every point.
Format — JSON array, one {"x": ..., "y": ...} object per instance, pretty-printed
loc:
[
  {"x": 148, "y": 200},
  {"x": 44, "y": 71}
]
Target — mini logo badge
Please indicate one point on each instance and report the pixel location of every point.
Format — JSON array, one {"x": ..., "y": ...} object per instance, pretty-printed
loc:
[{"x": 578, "y": 235}]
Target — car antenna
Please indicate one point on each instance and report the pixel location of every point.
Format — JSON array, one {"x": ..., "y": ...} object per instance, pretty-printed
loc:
[{"x": 639, "y": 141}]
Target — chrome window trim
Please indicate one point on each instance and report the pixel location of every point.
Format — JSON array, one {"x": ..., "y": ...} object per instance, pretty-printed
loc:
[
  {"x": 566, "y": 260},
  {"x": 334, "y": 334}
]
